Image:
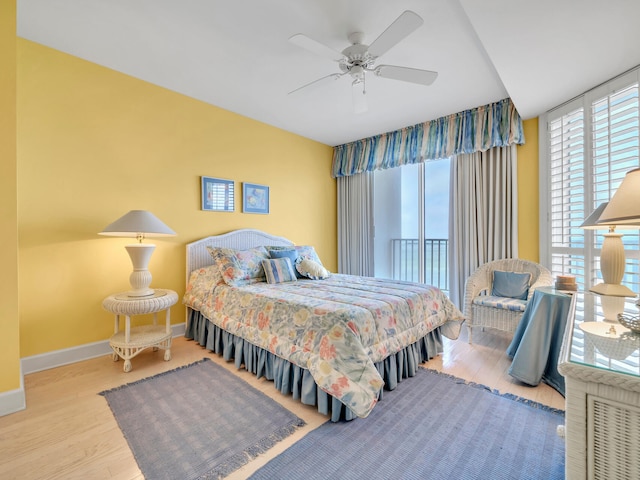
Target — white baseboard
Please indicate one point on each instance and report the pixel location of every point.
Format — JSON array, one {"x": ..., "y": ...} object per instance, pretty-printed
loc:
[
  {"x": 13, "y": 400},
  {"x": 58, "y": 358}
]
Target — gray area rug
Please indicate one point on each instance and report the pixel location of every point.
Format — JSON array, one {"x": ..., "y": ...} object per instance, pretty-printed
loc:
[
  {"x": 197, "y": 422},
  {"x": 432, "y": 426}
]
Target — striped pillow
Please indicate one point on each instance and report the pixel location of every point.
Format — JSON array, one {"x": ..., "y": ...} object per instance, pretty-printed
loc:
[{"x": 279, "y": 270}]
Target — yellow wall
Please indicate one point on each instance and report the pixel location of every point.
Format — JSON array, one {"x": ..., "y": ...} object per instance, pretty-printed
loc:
[
  {"x": 528, "y": 196},
  {"x": 94, "y": 144},
  {"x": 9, "y": 323}
]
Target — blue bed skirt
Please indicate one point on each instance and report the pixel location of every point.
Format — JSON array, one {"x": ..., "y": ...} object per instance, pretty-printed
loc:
[{"x": 290, "y": 379}]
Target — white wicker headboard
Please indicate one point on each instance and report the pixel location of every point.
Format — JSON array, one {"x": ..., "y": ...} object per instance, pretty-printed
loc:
[{"x": 198, "y": 256}]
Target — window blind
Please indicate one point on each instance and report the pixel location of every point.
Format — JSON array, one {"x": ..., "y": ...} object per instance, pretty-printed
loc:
[
  {"x": 567, "y": 187},
  {"x": 590, "y": 144}
]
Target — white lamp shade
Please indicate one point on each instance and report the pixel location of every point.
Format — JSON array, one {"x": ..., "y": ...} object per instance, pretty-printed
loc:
[
  {"x": 591, "y": 222},
  {"x": 624, "y": 207},
  {"x": 137, "y": 223}
]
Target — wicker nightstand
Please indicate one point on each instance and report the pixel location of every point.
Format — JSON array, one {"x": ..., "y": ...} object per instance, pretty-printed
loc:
[
  {"x": 602, "y": 416},
  {"x": 128, "y": 343}
]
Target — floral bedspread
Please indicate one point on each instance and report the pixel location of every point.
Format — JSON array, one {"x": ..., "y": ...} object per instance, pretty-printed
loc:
[{"x": 336, "y": 328}]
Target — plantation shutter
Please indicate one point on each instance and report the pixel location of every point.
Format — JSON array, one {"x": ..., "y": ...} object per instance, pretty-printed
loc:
[
  {"x": 567, "y": 180},
  {"x": 614, "y": 120},
  {"x": 588, "y": 146},
  {"x": 615, "y": 136}
]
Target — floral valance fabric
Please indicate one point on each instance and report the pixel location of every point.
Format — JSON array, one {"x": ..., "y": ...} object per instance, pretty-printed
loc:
[{"x": 476, "y": 130}]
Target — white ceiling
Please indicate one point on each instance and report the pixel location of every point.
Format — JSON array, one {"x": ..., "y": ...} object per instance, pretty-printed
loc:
[{"x": 234, "y": 53}]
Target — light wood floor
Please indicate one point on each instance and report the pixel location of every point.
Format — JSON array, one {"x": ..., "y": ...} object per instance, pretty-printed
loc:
[{"x": 68, "y": 431}]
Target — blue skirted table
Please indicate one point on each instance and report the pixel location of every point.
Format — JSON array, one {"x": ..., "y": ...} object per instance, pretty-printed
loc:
[{"x": 537, "y": 340}]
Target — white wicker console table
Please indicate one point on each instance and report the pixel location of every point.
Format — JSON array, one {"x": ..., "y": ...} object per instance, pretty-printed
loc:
[
  {"x": 602, "y": 375},
  {"x": 128, "y": 343}
]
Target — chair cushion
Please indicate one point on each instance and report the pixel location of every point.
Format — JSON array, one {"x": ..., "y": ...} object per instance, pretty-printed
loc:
[
  {"x": 511, "y": 284},
  {"x": 506, "y": 303}
]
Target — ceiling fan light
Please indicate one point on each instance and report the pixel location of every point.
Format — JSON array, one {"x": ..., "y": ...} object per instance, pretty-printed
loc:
[{"x": 357, "y": 71}]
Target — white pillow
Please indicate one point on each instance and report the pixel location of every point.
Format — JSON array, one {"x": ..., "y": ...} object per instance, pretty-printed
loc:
[{"x": 310, "y": 269}]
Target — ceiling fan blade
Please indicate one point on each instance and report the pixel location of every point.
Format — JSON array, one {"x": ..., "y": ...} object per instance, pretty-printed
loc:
[
  {"x": 358, "y": 94},
  {"x": 406, "y": 23},
  {"x": 319, "y": 82},
  {"x": 406, "y": 74},
  {"x": 316, "y": 47}
]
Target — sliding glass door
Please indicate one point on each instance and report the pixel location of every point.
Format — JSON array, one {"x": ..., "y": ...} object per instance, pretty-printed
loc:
[{"x": 411, "y": 212}]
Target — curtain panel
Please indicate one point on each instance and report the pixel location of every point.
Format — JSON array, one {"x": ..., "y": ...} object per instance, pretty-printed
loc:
[
  {"x": 355, "y": 225},
  {"x": 477, "y": 130},
  {"x": 483, "y": 213}
]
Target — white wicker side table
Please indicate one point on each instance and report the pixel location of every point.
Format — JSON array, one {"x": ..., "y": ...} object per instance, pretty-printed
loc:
[
  {"x": 130, "y": 342},
  {"x": 602, "y": 409}
]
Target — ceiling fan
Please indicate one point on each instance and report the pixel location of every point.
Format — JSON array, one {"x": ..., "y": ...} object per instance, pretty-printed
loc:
[{"x": 359, "y": 58}]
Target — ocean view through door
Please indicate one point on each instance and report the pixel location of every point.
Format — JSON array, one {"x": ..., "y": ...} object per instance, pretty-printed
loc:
[{"x": 411, "y": 219}]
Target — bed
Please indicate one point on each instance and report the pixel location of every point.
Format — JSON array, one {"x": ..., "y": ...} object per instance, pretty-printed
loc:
[{"x": 330, "y": 342}]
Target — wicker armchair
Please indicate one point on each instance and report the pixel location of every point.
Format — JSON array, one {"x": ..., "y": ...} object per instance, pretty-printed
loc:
[{"x": 507, "y": 315}]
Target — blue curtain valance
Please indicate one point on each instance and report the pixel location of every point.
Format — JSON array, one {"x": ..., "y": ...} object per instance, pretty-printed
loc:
[{"x": 495, "y": 125}]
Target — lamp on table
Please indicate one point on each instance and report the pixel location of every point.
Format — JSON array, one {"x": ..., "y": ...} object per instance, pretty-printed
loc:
[
  {"x": 622, "y": 211},
  {"x": 612, "y": 264},
  {"x": 139, "y": 224}
]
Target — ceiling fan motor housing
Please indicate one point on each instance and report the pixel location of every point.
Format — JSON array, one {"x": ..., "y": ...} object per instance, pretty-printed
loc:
[{"x": 357, "y": 58}]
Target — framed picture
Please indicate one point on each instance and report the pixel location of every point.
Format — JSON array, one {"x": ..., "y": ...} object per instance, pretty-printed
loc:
[
  {"x": 255, "y": 198},
  {"x": 218, "y": 195}
]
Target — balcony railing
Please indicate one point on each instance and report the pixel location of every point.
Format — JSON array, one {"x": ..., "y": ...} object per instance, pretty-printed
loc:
[{"x": 405, "y": 261}]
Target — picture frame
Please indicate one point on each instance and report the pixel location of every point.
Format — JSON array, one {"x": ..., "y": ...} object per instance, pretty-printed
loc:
[
  {"x": 255, "y": 198},
  {"x": 218, "y": 194}
]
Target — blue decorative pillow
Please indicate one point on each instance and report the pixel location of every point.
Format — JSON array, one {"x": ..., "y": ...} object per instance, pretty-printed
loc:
[
  {"x": 290, "y": 253},
  {"x": 511, "y": 284},
  {"x": 279, "y": 270},
  {"x": 295, "y": 253}
]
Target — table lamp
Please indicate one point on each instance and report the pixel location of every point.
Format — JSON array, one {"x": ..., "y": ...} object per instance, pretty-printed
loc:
[
  {"x": 612, "y": 260},
  {"x": 612, "y": 264},
  {"x": 139, "y": 224},
  {"x": 623, "y": 210}
]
